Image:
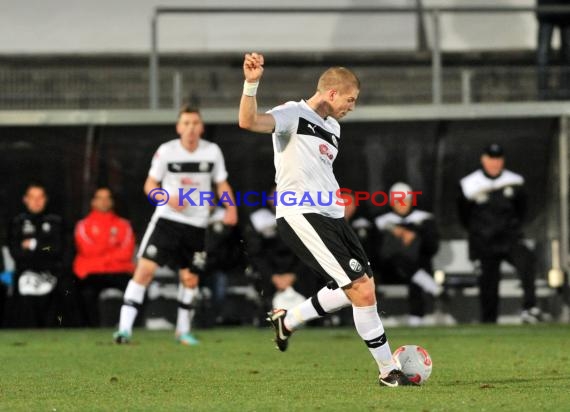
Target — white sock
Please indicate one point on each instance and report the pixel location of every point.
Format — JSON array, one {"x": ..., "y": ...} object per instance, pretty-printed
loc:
[
  {"x": 332, "y": 300},
  {"x": 426, "y": 282},
  {"x": 185, "y": 309},
  {"x": 324, "y": 302},
  {"x": 370, "y": 328},
  {"x": 133, "y": 298}
]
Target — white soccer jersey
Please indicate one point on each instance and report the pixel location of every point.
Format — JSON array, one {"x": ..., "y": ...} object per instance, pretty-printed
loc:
[
  {"x": 305, "y": 146},
  {"x": 177, "y": 168},
  {"x": 477, "y": 186}
]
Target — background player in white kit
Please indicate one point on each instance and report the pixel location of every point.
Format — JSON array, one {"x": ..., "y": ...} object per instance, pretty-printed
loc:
[
  {"x": 176, "y": 233},
  {"x": 306, "y": 136}
]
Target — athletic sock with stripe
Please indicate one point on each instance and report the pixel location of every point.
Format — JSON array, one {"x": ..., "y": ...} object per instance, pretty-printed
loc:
[
  {"x": 326, "y": 301},
  {"x": 370, "y": 328}
]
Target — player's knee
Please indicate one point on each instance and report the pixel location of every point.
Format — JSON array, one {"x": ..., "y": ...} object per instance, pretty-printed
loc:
[
  {"x": 367, "y": 297},
  {"x": 362, "y": 292},
  {"x": 144, "y": 272},
  {"x": 368, "y": 291},
  {"x": 143, "y": 277}
]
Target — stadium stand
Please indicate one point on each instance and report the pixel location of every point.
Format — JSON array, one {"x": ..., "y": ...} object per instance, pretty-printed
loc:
[{"x": 213, "y": 80}]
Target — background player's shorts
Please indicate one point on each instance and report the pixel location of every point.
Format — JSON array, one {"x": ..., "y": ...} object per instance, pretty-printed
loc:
[
  {"x": 175, "y": 244},
  {"x": 327, "y": 245}
]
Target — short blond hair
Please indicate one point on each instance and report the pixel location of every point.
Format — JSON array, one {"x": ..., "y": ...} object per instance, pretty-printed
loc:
[{"x": 339, "y": 78}]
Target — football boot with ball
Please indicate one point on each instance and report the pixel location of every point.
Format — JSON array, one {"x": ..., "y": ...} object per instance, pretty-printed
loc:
[{"x": 395, "y": 378}]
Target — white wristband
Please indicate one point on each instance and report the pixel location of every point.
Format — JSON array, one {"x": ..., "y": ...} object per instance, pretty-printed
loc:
[{"x": 250, "y": 89}]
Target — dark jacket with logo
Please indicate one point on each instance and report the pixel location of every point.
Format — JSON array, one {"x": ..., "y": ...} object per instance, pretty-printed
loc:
[
  {"x": 47, "y": 230},
  {"x": 492, "y": 210}
]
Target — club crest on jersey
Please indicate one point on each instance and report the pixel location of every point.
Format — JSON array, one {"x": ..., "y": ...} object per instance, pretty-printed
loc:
[
  {"x": 355, "y": 265},
  {"x": 324, "y": 149}
]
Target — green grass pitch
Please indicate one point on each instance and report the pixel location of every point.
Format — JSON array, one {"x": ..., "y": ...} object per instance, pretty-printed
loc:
[{"x": 476, "y": 368}]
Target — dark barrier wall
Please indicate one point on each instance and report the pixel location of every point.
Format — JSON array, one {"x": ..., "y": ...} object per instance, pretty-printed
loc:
[{"x": 430, "y": 155}]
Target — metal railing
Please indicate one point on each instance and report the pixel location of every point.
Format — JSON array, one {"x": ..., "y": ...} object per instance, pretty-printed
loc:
[{"x": 433, "y": 12}]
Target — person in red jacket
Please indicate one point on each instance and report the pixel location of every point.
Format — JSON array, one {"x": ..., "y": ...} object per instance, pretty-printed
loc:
[{"x": 105, "y": 246}]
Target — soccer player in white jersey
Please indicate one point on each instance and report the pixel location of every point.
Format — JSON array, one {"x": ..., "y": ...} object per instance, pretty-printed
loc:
[
  {"x": 175, "y": 235},
  {"x": 306, "y": 136}
]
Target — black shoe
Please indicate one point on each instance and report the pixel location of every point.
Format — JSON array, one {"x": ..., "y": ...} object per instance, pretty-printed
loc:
[
  {"x": 395, "y": 378},
  {"x": 276, "y": 317}
]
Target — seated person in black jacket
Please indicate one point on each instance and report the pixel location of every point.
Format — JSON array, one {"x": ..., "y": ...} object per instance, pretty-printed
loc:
[{"x": 408, "y": 240}]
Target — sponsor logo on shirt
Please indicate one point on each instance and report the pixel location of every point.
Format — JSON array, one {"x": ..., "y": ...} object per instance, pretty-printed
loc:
[{"x": 324, "y": 149}]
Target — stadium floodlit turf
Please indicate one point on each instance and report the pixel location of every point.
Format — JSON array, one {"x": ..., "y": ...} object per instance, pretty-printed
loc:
[{"x": 476, "y": 368}]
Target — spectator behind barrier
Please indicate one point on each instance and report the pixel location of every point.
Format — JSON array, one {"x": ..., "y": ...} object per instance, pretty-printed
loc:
[
  {"x": 408, "y": 240},
  {"x": 492, "y": 208},
  {"x": 36, "y": 245},
  {"x": 105, "y": 248}
]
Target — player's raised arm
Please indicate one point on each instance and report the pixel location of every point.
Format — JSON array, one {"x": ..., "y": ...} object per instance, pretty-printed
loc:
[{"x": 249, "y": 118}]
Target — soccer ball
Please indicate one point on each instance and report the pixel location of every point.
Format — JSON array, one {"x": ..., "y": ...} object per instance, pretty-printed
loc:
[{"x": 415, "y": 362}]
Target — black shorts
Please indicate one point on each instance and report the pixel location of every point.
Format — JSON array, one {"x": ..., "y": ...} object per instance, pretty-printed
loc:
[
  {"x": 178, "y": 245},
  {"x": 327, "y": 245}
]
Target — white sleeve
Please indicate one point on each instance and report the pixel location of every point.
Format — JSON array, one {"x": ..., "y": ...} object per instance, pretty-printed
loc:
[
  {"x": 219, "y": 172},
  {"x": 158, "y": 166},
  {"x": 286, "y": 118}
]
